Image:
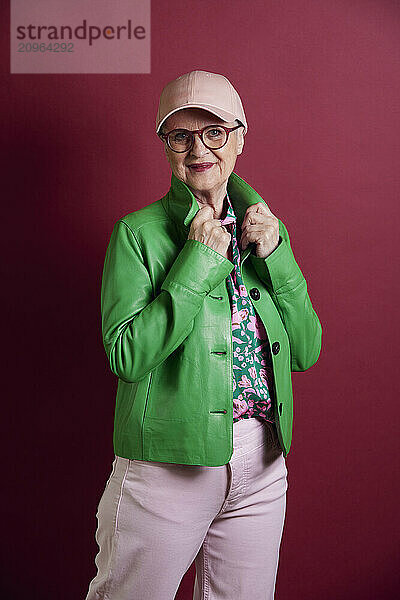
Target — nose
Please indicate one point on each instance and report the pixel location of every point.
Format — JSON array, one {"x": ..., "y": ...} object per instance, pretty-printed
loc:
[{"x": 199, "y": 149}]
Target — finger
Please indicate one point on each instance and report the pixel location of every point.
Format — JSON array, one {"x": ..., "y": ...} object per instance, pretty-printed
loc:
[
  {"x": 256, "y": 209},
  {"x": 260, "y": 219},
  {"x": 214, "y": 224},
  {"x": 261, "y": 240},
  {"x": 203, "y": 214},
  {"x": 254, "y": 217},
  {"x": 249, "y": 239},
  {"x": 245, "y": 240},
  {"x": 257, "y": 228},
  {"x": 263, "y": 207}
]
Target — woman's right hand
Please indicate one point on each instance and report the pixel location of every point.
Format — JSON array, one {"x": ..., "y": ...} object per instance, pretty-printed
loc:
[{"x": 209, "y": 231}]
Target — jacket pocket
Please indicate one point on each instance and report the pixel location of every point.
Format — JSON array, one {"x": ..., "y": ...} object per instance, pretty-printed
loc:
[
  {"x": 148, "y": 390},
  {"x": 131, "y": 403},
  {"x": 176, "y": 390}
]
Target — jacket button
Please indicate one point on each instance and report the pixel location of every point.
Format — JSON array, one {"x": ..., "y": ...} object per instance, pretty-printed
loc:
[
  {"x": 275, "y": 347},
  {"x": 255, "y": 293}
]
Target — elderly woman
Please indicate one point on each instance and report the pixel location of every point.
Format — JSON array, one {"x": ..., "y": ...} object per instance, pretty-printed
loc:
[{"x": 205, "y": 313}]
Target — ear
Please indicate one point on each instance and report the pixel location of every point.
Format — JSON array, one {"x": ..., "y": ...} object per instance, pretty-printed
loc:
[{"x": 240, "y": 141}]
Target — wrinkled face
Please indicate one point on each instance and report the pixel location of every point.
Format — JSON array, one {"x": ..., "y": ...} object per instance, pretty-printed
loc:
[{"x": 223, "y": 160}]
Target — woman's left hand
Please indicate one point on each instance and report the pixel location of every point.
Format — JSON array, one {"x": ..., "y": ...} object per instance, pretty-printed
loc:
[{"x": 262, "y": 227}]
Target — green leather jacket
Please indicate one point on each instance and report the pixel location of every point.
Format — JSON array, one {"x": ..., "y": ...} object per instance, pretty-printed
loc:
[{"x": 167, "y": 330}]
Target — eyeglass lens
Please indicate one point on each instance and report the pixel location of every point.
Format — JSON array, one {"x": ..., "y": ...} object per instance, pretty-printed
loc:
[{"x": 181, "y": 139}]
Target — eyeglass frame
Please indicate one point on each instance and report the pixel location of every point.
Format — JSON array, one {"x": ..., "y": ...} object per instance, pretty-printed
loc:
[{"x": 199, "y": 132}]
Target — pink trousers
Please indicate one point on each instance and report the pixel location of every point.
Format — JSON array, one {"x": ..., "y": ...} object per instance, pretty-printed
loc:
[{"x": 155, "y": 519}]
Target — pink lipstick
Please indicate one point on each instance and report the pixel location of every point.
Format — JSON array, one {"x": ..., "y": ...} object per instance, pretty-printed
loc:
[{"x": 200, "y": 167}]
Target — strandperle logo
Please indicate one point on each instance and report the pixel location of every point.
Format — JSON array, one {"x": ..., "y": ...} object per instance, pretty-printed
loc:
[
  {"x": 91, "y": 33},
  {"x": 89, "y": 36}
]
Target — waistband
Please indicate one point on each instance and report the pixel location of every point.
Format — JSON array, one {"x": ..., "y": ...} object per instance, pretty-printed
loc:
[
  {"x": 245, "y": 427},
  {"x": 249, "y": 434}
]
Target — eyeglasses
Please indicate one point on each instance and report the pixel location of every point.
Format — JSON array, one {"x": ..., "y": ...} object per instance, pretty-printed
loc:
[{"x": 212, "y": 136}]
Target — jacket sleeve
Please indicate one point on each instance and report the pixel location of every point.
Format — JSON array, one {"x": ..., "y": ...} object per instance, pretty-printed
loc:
[
  {"x": 288, "y": 289},
  {"x": 140, "y": 330}
]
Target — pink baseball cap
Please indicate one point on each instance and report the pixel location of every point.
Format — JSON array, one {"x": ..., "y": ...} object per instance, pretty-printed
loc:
[{"x": 201, "y": 89}]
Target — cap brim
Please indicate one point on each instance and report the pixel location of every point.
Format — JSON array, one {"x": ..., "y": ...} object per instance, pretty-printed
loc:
[{"x": 222, "y": 114}]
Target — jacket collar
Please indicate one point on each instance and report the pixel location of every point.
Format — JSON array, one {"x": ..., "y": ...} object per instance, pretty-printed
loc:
[{"x": 182, "y": 206}]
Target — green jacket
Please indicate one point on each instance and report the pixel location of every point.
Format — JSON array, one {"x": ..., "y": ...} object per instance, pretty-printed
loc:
[{"x": 167, "y": 330}]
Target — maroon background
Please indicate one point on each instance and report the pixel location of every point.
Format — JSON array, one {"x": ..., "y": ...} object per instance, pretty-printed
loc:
[{"x": 320, "y": 84}]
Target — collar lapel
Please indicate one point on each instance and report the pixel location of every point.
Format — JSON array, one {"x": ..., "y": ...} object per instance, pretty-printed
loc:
[{"x": 182, "y": 206}]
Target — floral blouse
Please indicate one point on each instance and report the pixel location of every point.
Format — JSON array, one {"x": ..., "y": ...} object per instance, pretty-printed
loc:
[{"x": 252, "y": 366}]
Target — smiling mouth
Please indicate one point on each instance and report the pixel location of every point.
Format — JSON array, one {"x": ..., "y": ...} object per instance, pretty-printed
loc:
[{"x": 201, "y": 166}]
